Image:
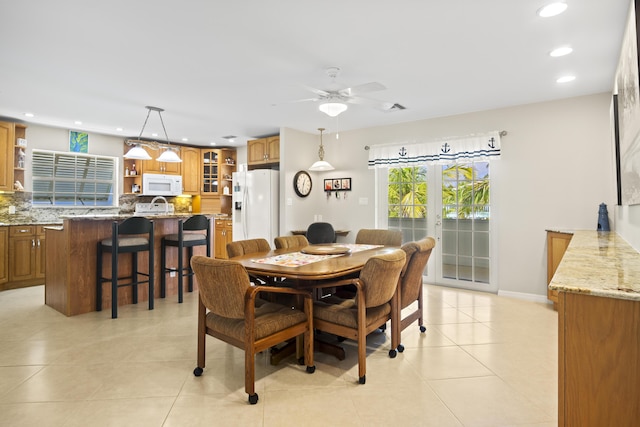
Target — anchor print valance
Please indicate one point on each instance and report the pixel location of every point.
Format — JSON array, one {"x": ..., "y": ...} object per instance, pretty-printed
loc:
[{"x": 460, "y": 149}]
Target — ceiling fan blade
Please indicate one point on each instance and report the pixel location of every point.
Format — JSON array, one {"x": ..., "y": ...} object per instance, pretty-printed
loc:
[
  {"x": 318, "y": 92},
  {"x": 363, "y": 88},
  {"x": 374, "y": 103}
]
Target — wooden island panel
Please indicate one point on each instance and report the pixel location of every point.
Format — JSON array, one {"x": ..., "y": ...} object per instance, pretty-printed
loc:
[{"x": 71, "y": 263}]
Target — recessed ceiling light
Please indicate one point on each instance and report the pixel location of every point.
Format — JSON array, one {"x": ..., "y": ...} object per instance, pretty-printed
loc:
[
  {"x": 185, "y": 139},
  {"x": 552, "y": 9},
  {"x": 119, "y": 129},
  {"x": 77, "y": 122},
  {"x": 566, "y": 79},
  {"x": 213, "y": 143},
  {"x": 561, "y": 51},
  {"x": 29, "y": 114},
  {"x": 154, "y": 134}
]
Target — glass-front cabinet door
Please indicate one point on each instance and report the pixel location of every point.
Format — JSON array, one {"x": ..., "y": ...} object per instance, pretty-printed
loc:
[{"x": 210, "y": 172}]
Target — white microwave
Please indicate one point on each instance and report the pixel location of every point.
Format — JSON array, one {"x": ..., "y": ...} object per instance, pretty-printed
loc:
[{"x": 154, "y": 184}]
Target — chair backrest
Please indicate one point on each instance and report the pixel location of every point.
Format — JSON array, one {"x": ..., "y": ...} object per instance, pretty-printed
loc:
[
  {"x": 380, "y": 276},
  {"x": 379, "y": 237},
  {"x": 284, "y": 242},
  {"x": 222, "y": 285},
  {"x": 321, "y": 232},
  {"x": 418, "y": 254},
  {"x": 242, "y": 247},
  {"x": 195, "y": 223},
  {"x": 135, "y": 225}
]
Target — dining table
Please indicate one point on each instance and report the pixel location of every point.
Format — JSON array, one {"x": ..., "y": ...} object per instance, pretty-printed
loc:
[{"x": 304, "y": 266}]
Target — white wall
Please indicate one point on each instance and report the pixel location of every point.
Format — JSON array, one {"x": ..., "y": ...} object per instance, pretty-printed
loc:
[
  {"x": 554, "y": 172},
  {"x": 57, "y": 139}
]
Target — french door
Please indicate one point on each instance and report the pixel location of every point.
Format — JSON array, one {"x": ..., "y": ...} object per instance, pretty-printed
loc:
[{"x": 452, "y": 204}]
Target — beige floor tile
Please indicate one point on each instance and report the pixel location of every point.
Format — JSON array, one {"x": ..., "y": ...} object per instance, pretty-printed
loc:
[
  {"x": 484, "y": 360},
  {"x": 487, "y": 401},
  {"x": 445, "y": 362}
]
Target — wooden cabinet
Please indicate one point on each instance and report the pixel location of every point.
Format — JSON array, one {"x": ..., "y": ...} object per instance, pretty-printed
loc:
[
  {"x": 599, "y": 360},
  {"x": 227, "y": 168},
  {"x": 26, "y": 255},
  {"x": 190, "y": 170},
  {"x": 154, "y": 166},
  {"x": 12, "y": 155},
  {"x": 4, "y": 255},
  {"x": 263, "y": 151},
  {"x": 223, "y": 235},
  {"x": 209, "y": 172},
  {"x": 557, "y": 243}
]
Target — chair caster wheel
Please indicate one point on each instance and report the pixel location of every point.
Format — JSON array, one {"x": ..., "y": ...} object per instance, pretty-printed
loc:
[
  {"x": 197, "y": 372},
  {"x": 253, "y": 398},
  {"x": 422, "y": 329},
  {"x": 311, "y": 369},
  {"x": 362, "y": 379},
  {"x": 392, "y": 354},
  {"x": 400, "y": 348}
]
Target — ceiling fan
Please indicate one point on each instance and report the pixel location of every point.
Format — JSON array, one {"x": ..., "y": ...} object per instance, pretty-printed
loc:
[{"x": 333, "y": 100}]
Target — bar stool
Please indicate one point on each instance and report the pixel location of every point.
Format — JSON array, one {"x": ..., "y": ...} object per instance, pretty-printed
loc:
[
  {"x": 119, "y": 245},
  {"x": 184, "y": 240}
]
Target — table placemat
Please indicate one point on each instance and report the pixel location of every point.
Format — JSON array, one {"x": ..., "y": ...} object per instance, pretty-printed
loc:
[{"x": 296, "y": 259}]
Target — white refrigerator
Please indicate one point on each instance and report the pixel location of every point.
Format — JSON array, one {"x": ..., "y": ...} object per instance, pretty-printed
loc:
[{"x": 256, "y": 205}]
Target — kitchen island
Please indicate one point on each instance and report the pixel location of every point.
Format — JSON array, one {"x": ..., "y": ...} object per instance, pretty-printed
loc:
[
  {"x": 71, "y": 251},
  {"x": 598, "y": 285}
]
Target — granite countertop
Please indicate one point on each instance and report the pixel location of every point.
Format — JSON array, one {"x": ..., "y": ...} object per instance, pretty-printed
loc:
[
  {"x": 102, "y": 217},
  {"x": 599, "y": 263}
]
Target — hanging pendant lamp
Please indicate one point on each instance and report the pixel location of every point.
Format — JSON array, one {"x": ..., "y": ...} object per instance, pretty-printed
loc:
[
  {"x": 321, "y": 165},
  {"x": 137, "y": 152}
]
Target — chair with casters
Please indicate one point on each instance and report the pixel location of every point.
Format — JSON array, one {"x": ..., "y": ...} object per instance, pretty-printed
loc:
[
  {"x": 250, "y": 246},
  {"x": 410, "y": 285},
  {"x": 295, "y": 241},
  {"x": 367, "y": 236},
  {"x": 321, "y": 232},
  {"x": 229, "y": 310},
  {"x": 131, "y": 236},
  {"x": 193, "y": 232},
  {"x": 374, "y": 303}
]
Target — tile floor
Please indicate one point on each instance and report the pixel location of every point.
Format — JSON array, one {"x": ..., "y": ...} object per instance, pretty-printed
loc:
[{"x": 484, "y": 361}]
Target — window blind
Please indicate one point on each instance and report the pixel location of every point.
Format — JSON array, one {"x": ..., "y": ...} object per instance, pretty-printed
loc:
[{"x": 73, "y": 179}]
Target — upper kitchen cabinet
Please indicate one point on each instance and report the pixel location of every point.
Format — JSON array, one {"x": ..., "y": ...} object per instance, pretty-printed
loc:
[
  {"x": 154, "y": 166},
  {"x": 209, "y": 172},
  {"x": 263, "y": 151},
  {"x": 190, "y": 170},
  {"x": 12, "y": 155}
]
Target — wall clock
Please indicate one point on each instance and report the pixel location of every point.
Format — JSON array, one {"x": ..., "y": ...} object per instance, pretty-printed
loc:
[{"x": 302, "y": 183}]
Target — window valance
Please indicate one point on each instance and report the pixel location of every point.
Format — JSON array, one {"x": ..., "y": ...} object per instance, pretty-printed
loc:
[{"x": 405, "y": 154}]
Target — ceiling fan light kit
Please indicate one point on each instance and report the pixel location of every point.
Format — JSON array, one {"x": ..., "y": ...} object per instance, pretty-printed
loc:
[
  {"x": 321, "y": 165},
  {"x": 332, "y": 109},
  {"x": 139, "y": 153}
]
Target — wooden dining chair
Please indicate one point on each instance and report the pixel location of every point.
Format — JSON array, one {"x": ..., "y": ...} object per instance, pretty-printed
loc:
[
  {"x": 374, "y": 304},
  {"x": 410, "y": 285},
  {"x": 229, "y": 310},
  {"x": 250, "y": 246},
  {"x": 295, "y": 241},
  {"x": 370, "y": 236}
]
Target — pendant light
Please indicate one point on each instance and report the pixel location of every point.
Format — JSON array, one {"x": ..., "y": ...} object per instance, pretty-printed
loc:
[
  {"x": 137, "y": 152},
  {"x": 321, "y": 165},
  {"x": 333, "y": 109}
]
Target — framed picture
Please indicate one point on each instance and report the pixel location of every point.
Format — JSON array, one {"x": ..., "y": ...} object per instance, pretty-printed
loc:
[
  {"x": 78, "y": 142},
  {"x": 337, "y": 184},
  {"x": 628, "y": 112}
]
